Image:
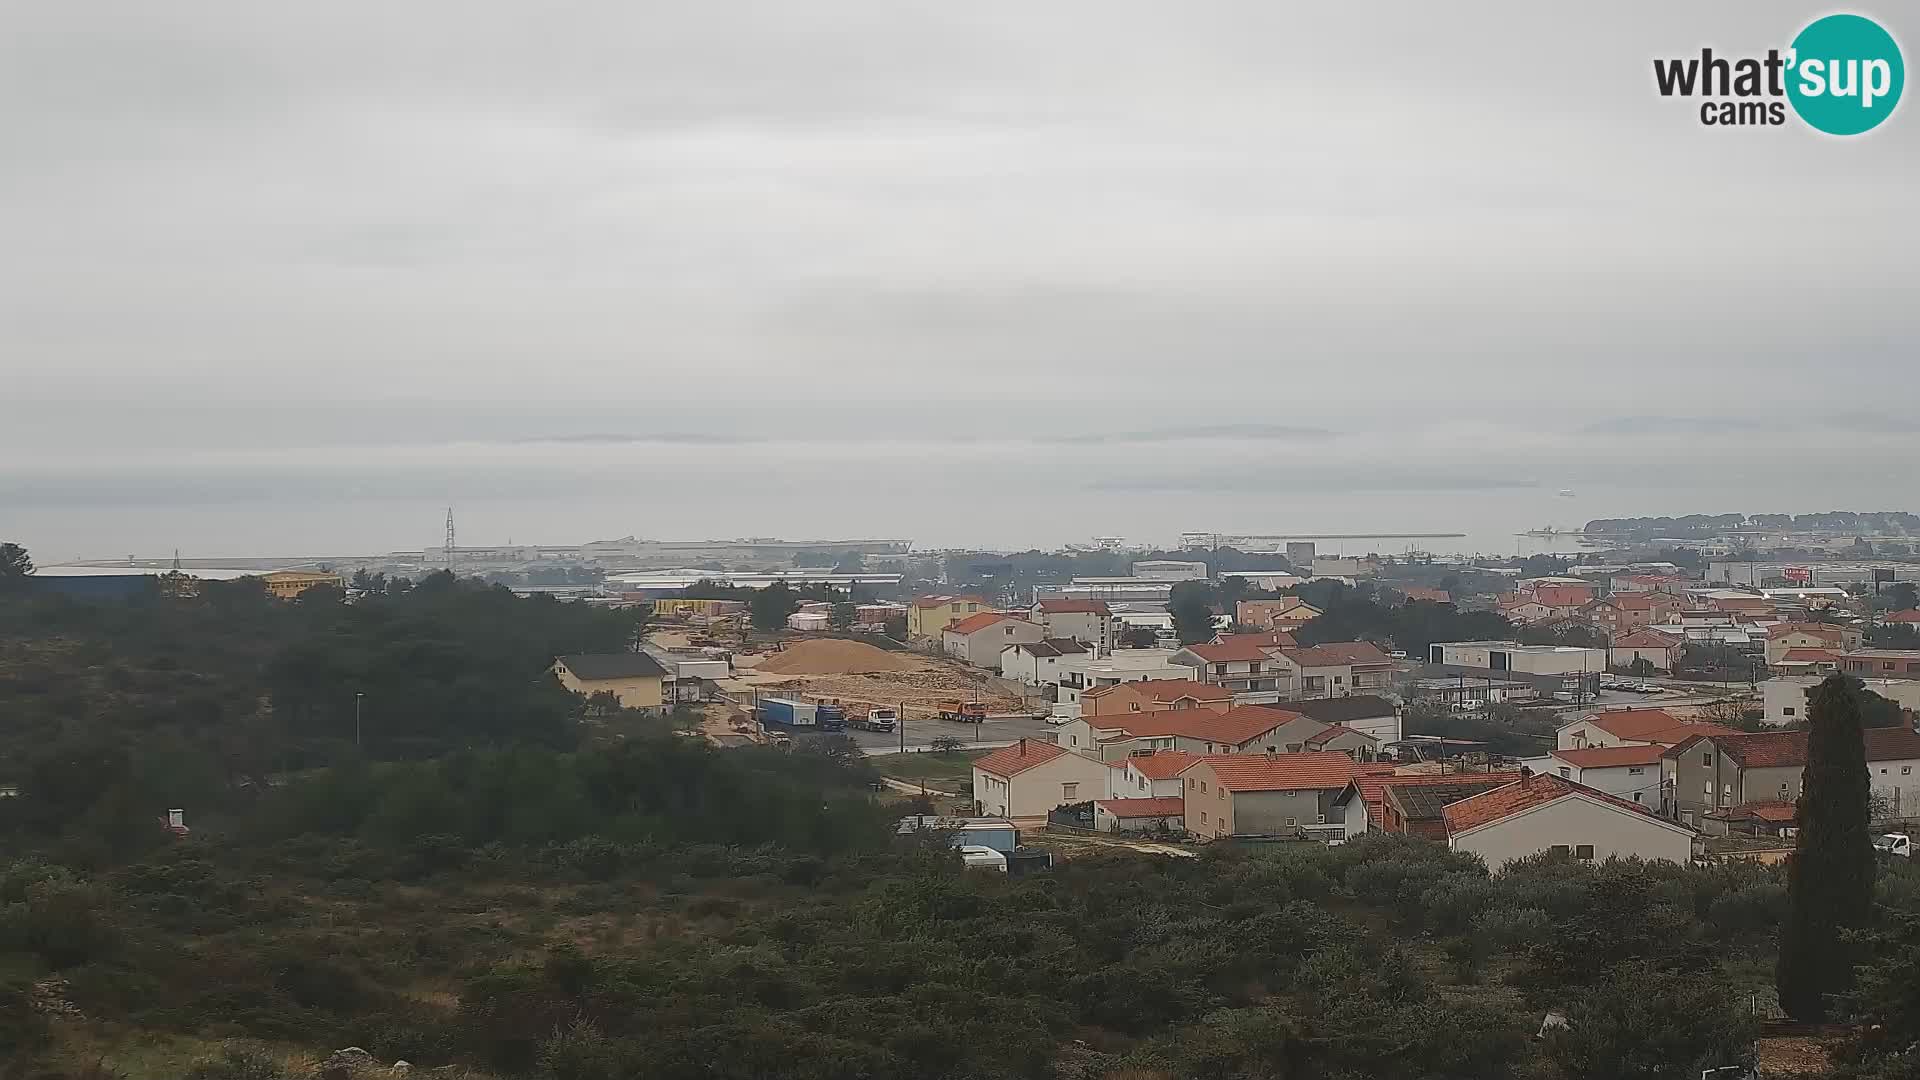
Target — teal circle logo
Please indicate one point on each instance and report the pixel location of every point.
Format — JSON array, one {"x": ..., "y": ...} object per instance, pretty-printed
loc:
[{"x": 1845, "y": 74}]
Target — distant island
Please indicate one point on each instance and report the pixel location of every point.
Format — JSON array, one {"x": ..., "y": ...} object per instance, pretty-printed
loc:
[{"x": 1832, "y": 522}]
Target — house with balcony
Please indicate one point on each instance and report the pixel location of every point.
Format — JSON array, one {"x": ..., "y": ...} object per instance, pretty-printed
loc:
[
  {"x": 1256, "y": 672},
  {"x": 1340, "y": 668},
  {"x": 1714, "y": 773},
  {"x": 1089, "y": 622}
]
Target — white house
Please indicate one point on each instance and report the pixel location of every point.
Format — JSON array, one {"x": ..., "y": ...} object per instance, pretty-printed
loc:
[
  {"x": 1090, "y": 622},
  {"x": 1078, "y": 674},
  {"x": 1037, "y": 663},
  {"x": 978, "y": 639},
  {"x": 1785, "y": 698},
  {"x": 1548, "y": 813},
  {"x": 1155, "y": 773},
  {"x": 1029, "y": 778},
  {"x": 1366, "y": 713},
  {"x": 1652, "y": 646},
  {"x": 1630, "y": 772}
]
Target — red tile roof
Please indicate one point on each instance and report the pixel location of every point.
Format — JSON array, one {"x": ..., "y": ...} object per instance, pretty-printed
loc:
[
  {"x": 1161, "y": 764},
  {"x": 1632, "y": 601},
  {"x": 1779, "y": 813},
  {"x": 1373, "y": 784},
  {"x": 1159, "y": 806},
  {"x": 1332, "y": 732},
  {"x": 1824, "y": 630},
  {"x": 1653, "y": 725},
  {"x": 1162, "y": 690},
  {"x": 1645, "y": 639},
  {"x": 1339, "y": 654},
  {"x": 1270, "y": 638},
  {"x": 1788, "y": 749},
  {"x": 1607, "y": 757},
  {"x": 1279, "y": 772},
  {"x": 1011, "y": 761},
  {"x": 1233, "y": 727},
  {"x": 943, "y": 600},
  {"x": 1234, "y": 649},
  {"x": 1523, "y": 794},
  {"x": 1904, "y": 616},
  {"x": 975, "y": 623},
  {"x": 1417, "y": 592},
  {"x": 1810, "y": 656},
  {"x": 1074, "y": 607}
]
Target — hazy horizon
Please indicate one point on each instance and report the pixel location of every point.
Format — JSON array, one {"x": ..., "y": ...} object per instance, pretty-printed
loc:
[{"x": 281, "y": 281}]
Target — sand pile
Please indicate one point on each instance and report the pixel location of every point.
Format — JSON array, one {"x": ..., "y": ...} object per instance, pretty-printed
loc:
[{"x": 833, "y": 656}]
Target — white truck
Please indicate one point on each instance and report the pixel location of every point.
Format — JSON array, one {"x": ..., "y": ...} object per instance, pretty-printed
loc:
[{"x": 1895, "y": 843}]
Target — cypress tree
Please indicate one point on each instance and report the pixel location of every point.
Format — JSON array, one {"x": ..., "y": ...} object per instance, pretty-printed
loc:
[{"x": 1830, "y": 875}]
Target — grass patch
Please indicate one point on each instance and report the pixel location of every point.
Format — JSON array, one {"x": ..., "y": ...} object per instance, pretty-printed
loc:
[{"x": 931, "y": 767}]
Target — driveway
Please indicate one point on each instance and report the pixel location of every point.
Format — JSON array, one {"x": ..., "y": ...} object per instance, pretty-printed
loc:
[{"x": 919, "y": 734}]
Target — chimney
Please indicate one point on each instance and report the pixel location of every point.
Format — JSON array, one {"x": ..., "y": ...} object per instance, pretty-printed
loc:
[
  {"x": 1023, "y": 748},
  {"x": 1526, "y": 774}
]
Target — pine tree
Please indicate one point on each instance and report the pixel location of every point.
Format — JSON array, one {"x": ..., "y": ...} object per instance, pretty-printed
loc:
[{"x": 1830, "y": 877}]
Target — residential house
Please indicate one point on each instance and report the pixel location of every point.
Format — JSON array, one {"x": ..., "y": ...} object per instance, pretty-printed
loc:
[
  {"x": 1550, "y": 813},
  {"x": 1784, "y": 699},
  {"x": 1623, "y": 613},
  {"x": 1254, "y": 670},
  {"x": 1710, "y": 773},
  {"x": 1288, "y": 613},
  {"x": 1411, "y": 805},
  {"x": 1564, "y": 597},
  {"x": 1632, "y": 727},
  {"x": 1089, "y": 622},
  {"x": 287, "y": 584},
  {"x": 1910, "y": 617},
  {"x": 1881, "y": 663},
  {"x": 1150, "y": 773},
  {"x": 1339, "y": 668},
  {"x": 1037, "y": 663},
  {"x": 1631, "y": 772},
  {"x": 1367, "y": 713},
  {"x": 1161, "y": 814},
  {"x": 1770, "y": 819},
  {"x": 1078, "y": 674},
  {"x": 1524, "y": 609},
  {"x": 1029, "y": 778},
  {"x": 1656, "y": 648},
  {"x": 1832, "y": 637},
  {"x": 1249, "y": 729},
  {"x": 1338, "y": 738},
  {"x": 1418, "y": 592},
  {"x": 1805, "y": 662},
  {"x": 635, "y": 679},
  {"x": 1264, "y": 794},
  {"x": 1647, "y": 583},
  {"x": 978, "y": 639},
  {"x": 927, "y": 616},
  {"x": 1154, "y": 695}
]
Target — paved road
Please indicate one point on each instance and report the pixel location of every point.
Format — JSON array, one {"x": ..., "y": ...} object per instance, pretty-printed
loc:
[{"x": 919, "y": 734}]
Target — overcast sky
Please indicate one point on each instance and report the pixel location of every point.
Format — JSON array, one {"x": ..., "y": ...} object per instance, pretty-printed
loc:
[{"x": 418, "y": 252}]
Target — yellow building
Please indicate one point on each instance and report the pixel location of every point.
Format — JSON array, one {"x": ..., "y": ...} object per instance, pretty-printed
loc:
[
  {"x": 681, "y": 606},
  {"x": 636, "y": 679},
  {"x": 929, "y": 615},
  {"x": 287, "y": 584}
]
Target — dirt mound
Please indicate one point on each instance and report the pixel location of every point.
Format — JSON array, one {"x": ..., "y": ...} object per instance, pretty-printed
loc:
[{"x": 833, "y": 656}]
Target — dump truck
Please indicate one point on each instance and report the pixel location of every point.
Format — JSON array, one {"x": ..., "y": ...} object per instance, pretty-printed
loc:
[
  {"x": 878, "y": 718},
  {"x": 964, "y": 712},
  {"x": 794, "y": 715}
]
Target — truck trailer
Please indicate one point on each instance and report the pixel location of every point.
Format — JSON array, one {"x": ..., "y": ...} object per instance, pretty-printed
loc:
[{"x": 790, "y": 714}]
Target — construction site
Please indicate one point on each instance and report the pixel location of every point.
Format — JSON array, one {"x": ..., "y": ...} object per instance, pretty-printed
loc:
[{"x": 858, "y": 674}]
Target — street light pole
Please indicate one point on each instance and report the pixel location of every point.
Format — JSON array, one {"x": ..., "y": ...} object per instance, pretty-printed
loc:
[{"x": 358, "y": 697}]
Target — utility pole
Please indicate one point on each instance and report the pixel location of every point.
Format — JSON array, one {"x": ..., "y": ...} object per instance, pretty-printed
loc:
[
  {"x": 449, "y": 540},
  {"x": 358, "y": 698}
]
